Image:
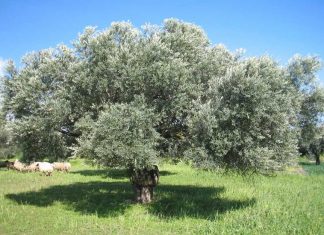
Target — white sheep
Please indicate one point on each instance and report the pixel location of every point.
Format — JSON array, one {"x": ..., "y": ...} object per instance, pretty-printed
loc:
[
  {"x": 32, "y": 167},
  {"x": 45, "y": 167},
  {"x": 18, "y": 166},
  {"x": 62, "y": 166}
]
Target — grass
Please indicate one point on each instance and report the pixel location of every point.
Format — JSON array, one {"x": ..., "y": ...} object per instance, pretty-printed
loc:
[{"x": 187, "y": 201}]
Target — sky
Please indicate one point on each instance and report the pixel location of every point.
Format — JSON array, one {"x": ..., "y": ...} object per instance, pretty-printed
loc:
[{"x": 279, "y": 28}]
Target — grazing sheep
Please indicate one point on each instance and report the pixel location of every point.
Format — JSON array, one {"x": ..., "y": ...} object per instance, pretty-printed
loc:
[
  {"x": 62, "y": 166},
  {"x": 45, "y": 167},
  {"x": 18, "y": 166},
  {"x": 10, "y": 165},
  {"x": 32, "y": 167}
]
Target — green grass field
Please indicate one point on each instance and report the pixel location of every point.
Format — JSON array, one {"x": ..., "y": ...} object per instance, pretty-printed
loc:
[{"x": 187, "y": 201}]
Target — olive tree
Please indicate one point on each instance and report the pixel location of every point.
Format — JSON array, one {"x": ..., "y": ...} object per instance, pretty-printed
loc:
[
  {"x": 125, "y": 97},
  {"x": 302, "y": 74}
]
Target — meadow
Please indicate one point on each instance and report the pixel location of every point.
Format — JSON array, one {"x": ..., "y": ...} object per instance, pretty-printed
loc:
[{"x": 89, "y": 200}]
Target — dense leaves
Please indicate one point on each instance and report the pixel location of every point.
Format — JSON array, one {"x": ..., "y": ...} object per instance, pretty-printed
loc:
[
  {"x": 125, "y": 97},
  {"x": 123, "y": 136},
  {"x": 7, "y": 144},
  {"x": 311, "y": 114},
  {"x": 245, "y": 123}
]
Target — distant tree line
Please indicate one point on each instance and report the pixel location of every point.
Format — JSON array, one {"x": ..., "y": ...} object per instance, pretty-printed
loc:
[{"x": 127, "y": 97}]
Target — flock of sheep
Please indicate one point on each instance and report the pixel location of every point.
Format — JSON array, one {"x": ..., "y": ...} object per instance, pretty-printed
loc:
[{"x": 44, "y": 167}]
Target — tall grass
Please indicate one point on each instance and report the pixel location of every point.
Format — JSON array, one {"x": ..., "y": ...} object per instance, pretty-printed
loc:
[{"x": 187, "y": 201}]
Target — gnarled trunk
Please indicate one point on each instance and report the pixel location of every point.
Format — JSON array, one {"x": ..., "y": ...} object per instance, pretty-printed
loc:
[
  {"x": 144, "y": 181},
  {"x": 318, "y": 160},
  {"x": 143, "y": 194}
]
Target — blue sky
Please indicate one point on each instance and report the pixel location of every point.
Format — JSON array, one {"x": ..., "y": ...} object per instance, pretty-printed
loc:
[{"x": 277, "y": 28}]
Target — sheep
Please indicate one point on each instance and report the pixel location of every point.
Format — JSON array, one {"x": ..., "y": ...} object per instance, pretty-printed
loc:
[
  {"x": 18, "y": 166},
  {"x": 32, "y": 167},
  {"x": 10, "y": 165},
  {"x": 7, "y": 164},
  {"x": 45, "y": 167},
  {"x": 62, "y": 166}
]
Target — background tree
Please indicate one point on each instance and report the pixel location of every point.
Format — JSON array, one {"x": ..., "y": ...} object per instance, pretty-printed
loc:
[
  {"x": 302, "y": 73},
  {"x": 34, "y": 97},
  {"x": 7, "y": 145}
]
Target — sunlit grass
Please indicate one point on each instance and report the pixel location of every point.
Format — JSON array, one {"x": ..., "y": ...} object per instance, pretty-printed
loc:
[{"x": 187, "y": 201}]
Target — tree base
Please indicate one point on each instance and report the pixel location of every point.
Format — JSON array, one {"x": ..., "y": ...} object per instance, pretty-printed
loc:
[{"x": 143, "y": 194}]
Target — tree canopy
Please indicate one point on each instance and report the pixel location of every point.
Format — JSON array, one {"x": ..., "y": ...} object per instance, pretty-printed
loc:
[{"x": 125, "y": 97}]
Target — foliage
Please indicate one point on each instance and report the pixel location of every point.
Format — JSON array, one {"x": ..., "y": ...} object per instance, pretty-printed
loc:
[
  {"x": 123, "y": 136},
  {"x": 245, "y": 122},
  {"x": 302, "y": 72},
  {"x": 37, "y": 141},
  {"x": 169, "y": 65},
  {"x": 8, "y": 147},
  {"x": 33, "y": 98},
  {"x": 197, "y": 98}
]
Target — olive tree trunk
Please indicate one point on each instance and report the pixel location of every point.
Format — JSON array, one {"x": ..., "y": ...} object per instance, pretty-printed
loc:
[
  {"x": 144, "y": 181},
  {"x": 318, "y": 160},
  {"x": 143, "y": 194}
]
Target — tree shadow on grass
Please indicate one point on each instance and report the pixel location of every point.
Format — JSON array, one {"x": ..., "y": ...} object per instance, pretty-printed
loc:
[
  {"x": 112, "y": 173},
  {"x": 175, "y": 201},
  {"x": 96, "y": 197},
  {"x": 313, "y": 169},
  {"x": 307, "y": 163},
  {"x": 104, "y": 173},
  {"x": 113, "y": 198}
]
